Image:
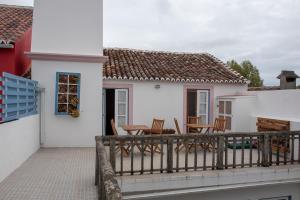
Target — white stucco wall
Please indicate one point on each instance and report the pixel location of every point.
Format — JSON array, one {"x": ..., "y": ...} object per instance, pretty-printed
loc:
[
  {"x": 68, "y": 27},
  {"x": 163, "y": 103},
  {"x": 277, "y": 104},
  {"x": 72, "y": 27},
  {"x": 227, "y": 89},
  {"x": 63, "y": 130},
  {"x": 167, "y": 101},
  {"x": 18, "y": 141},
  {"x": 236, "y": 184},
  {"x": 248, "y": 193}
]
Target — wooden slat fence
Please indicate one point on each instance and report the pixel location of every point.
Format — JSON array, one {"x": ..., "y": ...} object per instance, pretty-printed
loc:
[
  {"x": 200, "y": 152},
  {"x": 18, "y": 97}
]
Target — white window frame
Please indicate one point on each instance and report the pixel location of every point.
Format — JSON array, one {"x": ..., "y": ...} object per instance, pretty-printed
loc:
[
  {"x": 117, "y": 102},
  {"x": 103, "y": 111},
  {"x": 206, "y": 115},
  {"x": 224, "y": 115}
]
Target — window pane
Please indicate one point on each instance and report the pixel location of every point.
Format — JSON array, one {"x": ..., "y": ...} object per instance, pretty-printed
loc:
[
  {"x": 62, "y": 108},
  {"x": 121, "y": 121},
  {"x": 122, "y": 96},
  {"x": 203, "y": 119},
  {"x": 203, "y": 108},
  {"x": 221, "y": 106},
  {"x": 228, "y": 123},
  {"x": 73, "y": 79},
  {"x": 62, "y": 98},
  {"x": 228, "y": 107},
  {"x": 62, "y": 78},
  {"x": 62, "y": 88},
  {"x": 73, "y": 89},
  {"x": 203, "y": 97},
  {"x": 121, "y": 109}
]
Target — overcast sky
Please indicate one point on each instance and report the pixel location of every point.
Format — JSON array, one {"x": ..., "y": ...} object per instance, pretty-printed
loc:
[{"x": 266, "y": 32}]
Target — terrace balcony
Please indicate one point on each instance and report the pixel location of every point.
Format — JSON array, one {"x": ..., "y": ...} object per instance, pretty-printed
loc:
[
  {"x": 219, "y": 161},
  {"x": 68, "y": 173}
]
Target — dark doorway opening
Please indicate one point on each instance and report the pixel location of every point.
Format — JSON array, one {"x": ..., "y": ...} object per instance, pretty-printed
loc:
[
  {"x": 191, "y": 103},
  {"x": 110, "y": 110}
]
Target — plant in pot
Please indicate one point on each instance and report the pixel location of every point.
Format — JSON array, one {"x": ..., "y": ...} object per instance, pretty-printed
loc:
[{"x": 73, "y": 108}]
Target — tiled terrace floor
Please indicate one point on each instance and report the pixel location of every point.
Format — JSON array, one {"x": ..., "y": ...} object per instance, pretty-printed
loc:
[
  {"x": 53, "y": 174},
  {"x": 68, "y": 173}
]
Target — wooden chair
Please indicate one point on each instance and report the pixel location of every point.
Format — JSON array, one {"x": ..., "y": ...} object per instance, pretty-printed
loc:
[
  {"x": 180, "y": 146},
  {"x": 156, "y": 128},
  {"x": 219, "y": 125},
  {"x": 121, "y": 146},
  {"x": 193, "y": 120}
]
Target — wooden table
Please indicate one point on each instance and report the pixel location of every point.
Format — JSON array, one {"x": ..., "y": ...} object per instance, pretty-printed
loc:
[
  {"x": 138, "y": 129},
  {"x": 200, "y": 127},
  {"x": 135, "y": 128}
]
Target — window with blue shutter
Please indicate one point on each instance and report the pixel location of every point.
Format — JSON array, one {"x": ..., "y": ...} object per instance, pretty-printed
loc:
[{"x": 67, "y": 98}]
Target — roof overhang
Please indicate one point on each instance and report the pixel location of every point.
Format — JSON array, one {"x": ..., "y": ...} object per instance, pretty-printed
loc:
[
  {"x": 67, "y": 57},
  {"x": 7, "y": 46}
]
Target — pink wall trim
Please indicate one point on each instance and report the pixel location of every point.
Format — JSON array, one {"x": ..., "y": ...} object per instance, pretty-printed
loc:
[
  {"x": 66, "y": 57},
  {"x": 208, "y": 87},
  {"x": 130, "y": 96}
]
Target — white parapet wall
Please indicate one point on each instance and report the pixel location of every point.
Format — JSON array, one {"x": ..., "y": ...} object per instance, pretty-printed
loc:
[
  {"x": 277, "y": 104},
  {"x": 257, "y": 183},
  {"x": 18, "y": 141}
]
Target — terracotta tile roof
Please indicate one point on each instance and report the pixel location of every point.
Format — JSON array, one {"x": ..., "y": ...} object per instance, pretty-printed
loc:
[
  {"x": 14, "y": 21},
  {"x": 263, "y": 88},
  {"x": 167, "y": 66}
]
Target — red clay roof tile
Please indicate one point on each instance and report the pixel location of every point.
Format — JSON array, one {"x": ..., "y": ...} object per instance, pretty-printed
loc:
[
  {"x": 14, "y": 22},
  {"x": 169, "y": 66}
]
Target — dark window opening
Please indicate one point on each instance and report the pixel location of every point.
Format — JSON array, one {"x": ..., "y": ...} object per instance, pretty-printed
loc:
[{"x": 290, "y": 79}]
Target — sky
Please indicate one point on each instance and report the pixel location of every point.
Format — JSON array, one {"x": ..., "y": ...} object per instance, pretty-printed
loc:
[{"x": 266, "y": 32}]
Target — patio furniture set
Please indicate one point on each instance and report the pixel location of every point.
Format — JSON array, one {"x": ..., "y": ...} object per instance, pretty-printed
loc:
[{"x": 194, "y": 125}]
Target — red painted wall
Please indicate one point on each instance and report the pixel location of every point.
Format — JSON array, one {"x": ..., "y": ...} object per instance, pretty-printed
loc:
[
  {"x": 22, "y": 62},
  {"x": 7, "y": 60},
  {"x": 14, "y": 60}
]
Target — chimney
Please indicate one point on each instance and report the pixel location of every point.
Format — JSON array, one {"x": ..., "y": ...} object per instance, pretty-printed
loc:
[{"x": 287, "y": 79}]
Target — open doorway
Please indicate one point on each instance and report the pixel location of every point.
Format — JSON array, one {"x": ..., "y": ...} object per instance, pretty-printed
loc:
[
  {"x": 115, "y": 106},
  {"x": 198, "y": 104}
]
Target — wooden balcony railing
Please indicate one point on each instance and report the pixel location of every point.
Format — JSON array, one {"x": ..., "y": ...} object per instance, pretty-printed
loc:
[
  {"x": 108, "y": 188},
  {"x": 215, "y": 151}
]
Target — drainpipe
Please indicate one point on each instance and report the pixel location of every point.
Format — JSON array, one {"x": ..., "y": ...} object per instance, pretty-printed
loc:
[{"x": 41, "y": 107}]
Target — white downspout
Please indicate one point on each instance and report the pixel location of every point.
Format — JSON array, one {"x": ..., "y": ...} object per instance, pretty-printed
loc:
[{"x": 41, "y": 107}]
